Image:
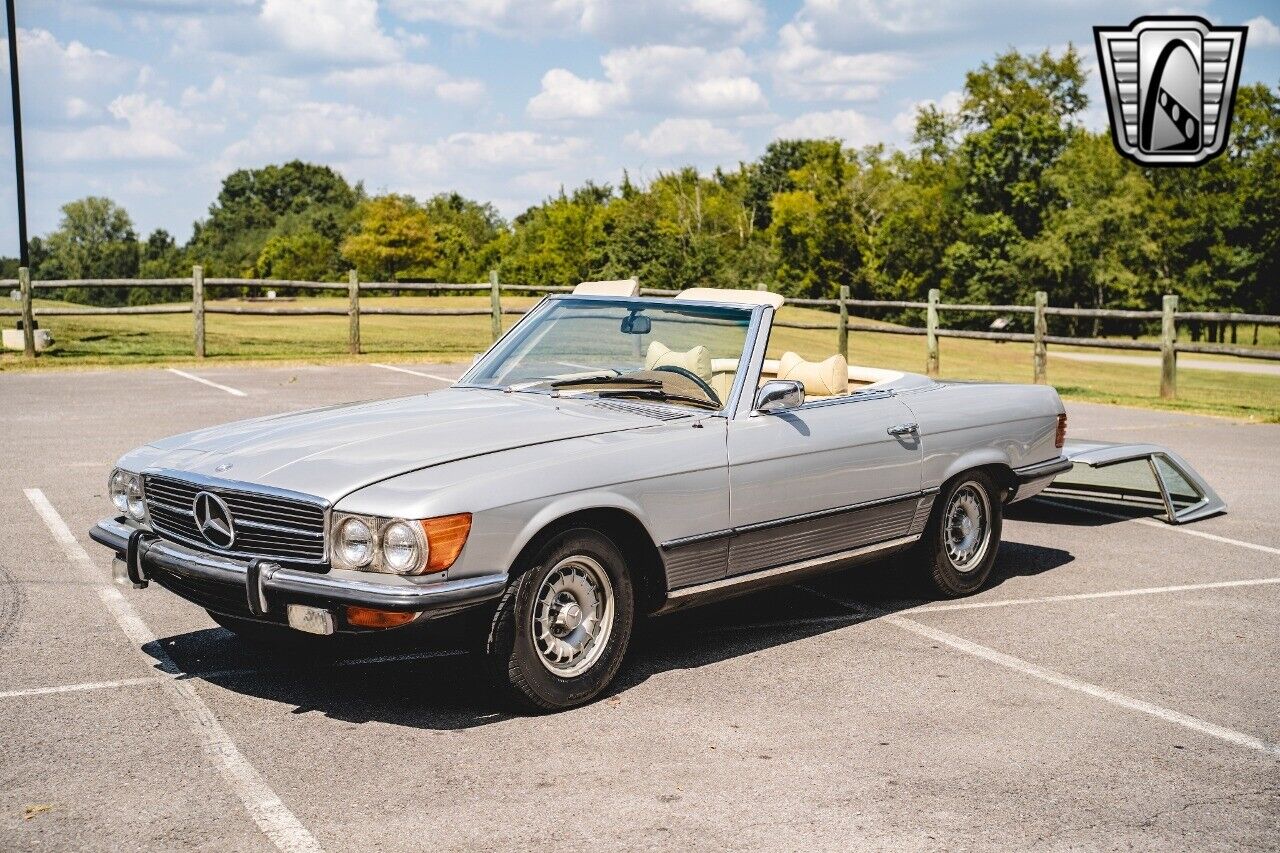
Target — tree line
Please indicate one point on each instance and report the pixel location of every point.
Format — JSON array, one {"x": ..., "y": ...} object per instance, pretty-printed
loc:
[{"x": 1004, "y": 196}]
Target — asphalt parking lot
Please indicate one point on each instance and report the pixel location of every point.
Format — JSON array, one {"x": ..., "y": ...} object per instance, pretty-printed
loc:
[{"x": 1115, "y": 688}]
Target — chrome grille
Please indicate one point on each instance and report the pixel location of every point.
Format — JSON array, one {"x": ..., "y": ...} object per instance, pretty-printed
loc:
[{"x": 266, "y": 525}]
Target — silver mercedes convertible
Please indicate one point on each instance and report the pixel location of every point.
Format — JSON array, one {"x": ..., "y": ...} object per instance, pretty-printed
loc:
[{"x": 611, "y": 456}]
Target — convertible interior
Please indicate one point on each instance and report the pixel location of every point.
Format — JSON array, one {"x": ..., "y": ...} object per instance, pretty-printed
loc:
[{"x": 822, "y": 380}]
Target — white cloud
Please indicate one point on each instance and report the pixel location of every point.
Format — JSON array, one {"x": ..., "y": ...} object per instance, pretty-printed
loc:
[
  {"x": 338, "y": 30},
  {"x": 853, "y": 128},
  {"x": 41, "y": 54},
  {"x": 655, "y": 78},
  {"x": 808, "y": 72},
  {"x": 516, "y": 148},
  {"x": 78, "y": 108},
  {"x": 685, "y": 21},
  {"x": 623, "y": 22},
  {"x": 145, "y": 129},
  {"x": 687, "y": 136},
  {"x": 566, "y": 95},
  {"x": 904, "y": 123},
  {"x": 321, "y": 130},
  {"x": 1262, "y": 32},
  {"x": 413, "y": 78}
]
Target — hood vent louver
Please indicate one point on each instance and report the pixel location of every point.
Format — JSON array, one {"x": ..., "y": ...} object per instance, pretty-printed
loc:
[{"x": 658, "y": 413}]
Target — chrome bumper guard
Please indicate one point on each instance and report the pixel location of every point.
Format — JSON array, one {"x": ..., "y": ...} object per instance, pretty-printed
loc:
[{"x": 268, "y": 586}]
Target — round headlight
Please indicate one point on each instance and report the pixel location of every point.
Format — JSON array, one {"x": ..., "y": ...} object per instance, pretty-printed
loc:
[
  {"x": 118, "y": 487},
  {"x": 355, "y": 542},
  {"x": 133, "y": 496},
  {"x": 401, "y": 552}
]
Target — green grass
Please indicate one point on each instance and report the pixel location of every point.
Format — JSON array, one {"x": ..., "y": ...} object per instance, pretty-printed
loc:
[{"x": 144, "y": 340}]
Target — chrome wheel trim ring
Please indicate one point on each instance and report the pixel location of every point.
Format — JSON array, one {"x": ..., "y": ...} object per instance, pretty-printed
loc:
[
  {"x": 966, "y": 527},
  {"x": 572, "y": 616}
]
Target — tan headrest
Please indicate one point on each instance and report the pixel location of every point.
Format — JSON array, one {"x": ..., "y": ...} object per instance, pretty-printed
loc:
[
  {"x": 737, "y": 297},
  {"x": 696, "y": 360},
  {"x": 620, "y": 287},
  {"x": 820, "y": 378}
]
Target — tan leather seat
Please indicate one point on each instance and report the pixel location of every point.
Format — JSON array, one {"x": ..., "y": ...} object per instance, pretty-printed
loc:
[
  {"x": 829, "y": 378},
  {"x": 697, "y": 360}
]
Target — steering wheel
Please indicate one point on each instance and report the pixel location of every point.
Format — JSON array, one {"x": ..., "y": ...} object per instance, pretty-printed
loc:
[{"x": 703, "y": 385}]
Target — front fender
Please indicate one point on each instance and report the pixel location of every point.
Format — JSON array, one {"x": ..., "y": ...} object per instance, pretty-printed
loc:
[{"x": 560, "y": 506}]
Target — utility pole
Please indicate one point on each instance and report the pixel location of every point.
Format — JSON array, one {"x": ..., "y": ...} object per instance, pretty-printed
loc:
[{"x": 24, "y": 259}]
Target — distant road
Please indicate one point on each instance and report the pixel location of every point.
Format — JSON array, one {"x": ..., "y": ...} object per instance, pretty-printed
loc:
[{"x": 1265, "y": 368}]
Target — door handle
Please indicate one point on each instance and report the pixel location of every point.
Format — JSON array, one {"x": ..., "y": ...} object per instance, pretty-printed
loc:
[{"x": 903, "y": 429}]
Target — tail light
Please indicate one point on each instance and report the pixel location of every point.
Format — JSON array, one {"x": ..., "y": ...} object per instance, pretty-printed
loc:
[{"x": 1061, "y": 438}]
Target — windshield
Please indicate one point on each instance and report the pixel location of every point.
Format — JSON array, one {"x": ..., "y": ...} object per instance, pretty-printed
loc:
[{"x": 671, "y": 351}]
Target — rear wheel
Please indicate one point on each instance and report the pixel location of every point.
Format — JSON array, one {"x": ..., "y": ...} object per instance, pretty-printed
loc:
[
  {"x": 959, "y": 545},
  {"x": 563, "y": 625}
]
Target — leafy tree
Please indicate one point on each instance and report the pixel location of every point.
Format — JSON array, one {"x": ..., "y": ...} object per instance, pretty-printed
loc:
[
  {"x": 300, "y": 256},
  {"x": 95, "y": 239},
  {"x": 466, "y": 234},
  {"x": 254, "y": 204},
  {"x": 393, "y": 238}
]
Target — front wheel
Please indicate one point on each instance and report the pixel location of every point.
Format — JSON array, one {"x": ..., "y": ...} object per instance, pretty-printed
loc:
[
  {"x": 959, "y": 545},
  {"x": 563, "y": 624}
]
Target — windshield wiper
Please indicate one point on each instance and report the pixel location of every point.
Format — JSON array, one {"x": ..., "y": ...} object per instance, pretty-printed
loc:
[
  {"x": 618, "y": 382},
  {"x": 659, "y": 394}
]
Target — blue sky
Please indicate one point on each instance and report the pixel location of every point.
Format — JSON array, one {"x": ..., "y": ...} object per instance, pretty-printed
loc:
[{"x": 152, "y": 102}]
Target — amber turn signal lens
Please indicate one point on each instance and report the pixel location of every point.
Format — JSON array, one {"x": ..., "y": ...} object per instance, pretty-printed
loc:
[
  {"x": 367, "y": 617},
  {"x": 445, "y": 537},
  {"x": 1061, "y": 438}
]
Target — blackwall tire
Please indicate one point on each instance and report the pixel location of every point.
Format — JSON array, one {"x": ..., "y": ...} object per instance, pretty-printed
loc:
[
  {"x": 959, "y": 545},
  {"x": 562, "y": 626}
]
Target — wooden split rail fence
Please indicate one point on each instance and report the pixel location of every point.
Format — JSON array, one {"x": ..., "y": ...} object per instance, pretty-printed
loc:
[{"x": 1168, "y": 346}]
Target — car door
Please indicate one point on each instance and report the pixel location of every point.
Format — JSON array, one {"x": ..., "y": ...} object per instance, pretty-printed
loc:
[{"x": 827, "y": 477}]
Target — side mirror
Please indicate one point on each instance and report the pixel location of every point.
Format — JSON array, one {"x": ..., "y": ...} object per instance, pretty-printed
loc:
[{"x": 779, "y": 395}]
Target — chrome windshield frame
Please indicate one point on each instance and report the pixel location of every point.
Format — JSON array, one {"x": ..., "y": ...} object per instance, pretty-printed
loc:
[{"x": 754, "y": 327}]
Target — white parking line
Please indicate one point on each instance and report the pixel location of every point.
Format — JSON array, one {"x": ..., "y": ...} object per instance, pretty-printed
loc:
[
  {"x": 233, "y": 391},
  {"x": 75, "y": 688},
  {"x": 228, "y": 673},
  {"x": 1112, "y": 696},
  {"x": 1173, "y": 528},
  {"x": 1086, "y": 596},
  {"x": 263, "y": 805},
  {"x": 415, "y": 373}
]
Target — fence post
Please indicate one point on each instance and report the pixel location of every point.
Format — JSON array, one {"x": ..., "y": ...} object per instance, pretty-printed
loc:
[
  {"x": 842, "y": 339},
  {"x": 931, "y": 331},
  {"x": 28, "y": 315},
  {"x": 1041, "y": 330},
  {"x": 353, "y": 312},
  {"x": 495, "y": 305},
  {"x": 197, "y": 308},
  {"x": 1169, "y": 349}
]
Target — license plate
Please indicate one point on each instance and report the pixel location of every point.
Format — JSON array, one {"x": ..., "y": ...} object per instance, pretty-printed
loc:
[{"x": 313, "y": 620}]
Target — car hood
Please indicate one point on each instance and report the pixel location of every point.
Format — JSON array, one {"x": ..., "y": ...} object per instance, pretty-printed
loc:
[{"x": 333, "y": 451}]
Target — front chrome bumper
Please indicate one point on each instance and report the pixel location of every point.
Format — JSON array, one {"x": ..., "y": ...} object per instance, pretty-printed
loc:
[{"x": 264, "y": 587}]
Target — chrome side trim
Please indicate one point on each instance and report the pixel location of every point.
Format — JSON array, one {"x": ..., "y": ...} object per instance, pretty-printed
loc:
[
  {"x": 823, "y": 513},
  {"x": 853, "y": 397},
  {"x": 791, "y": 519},
  {"x": 788, "y": 568}
]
